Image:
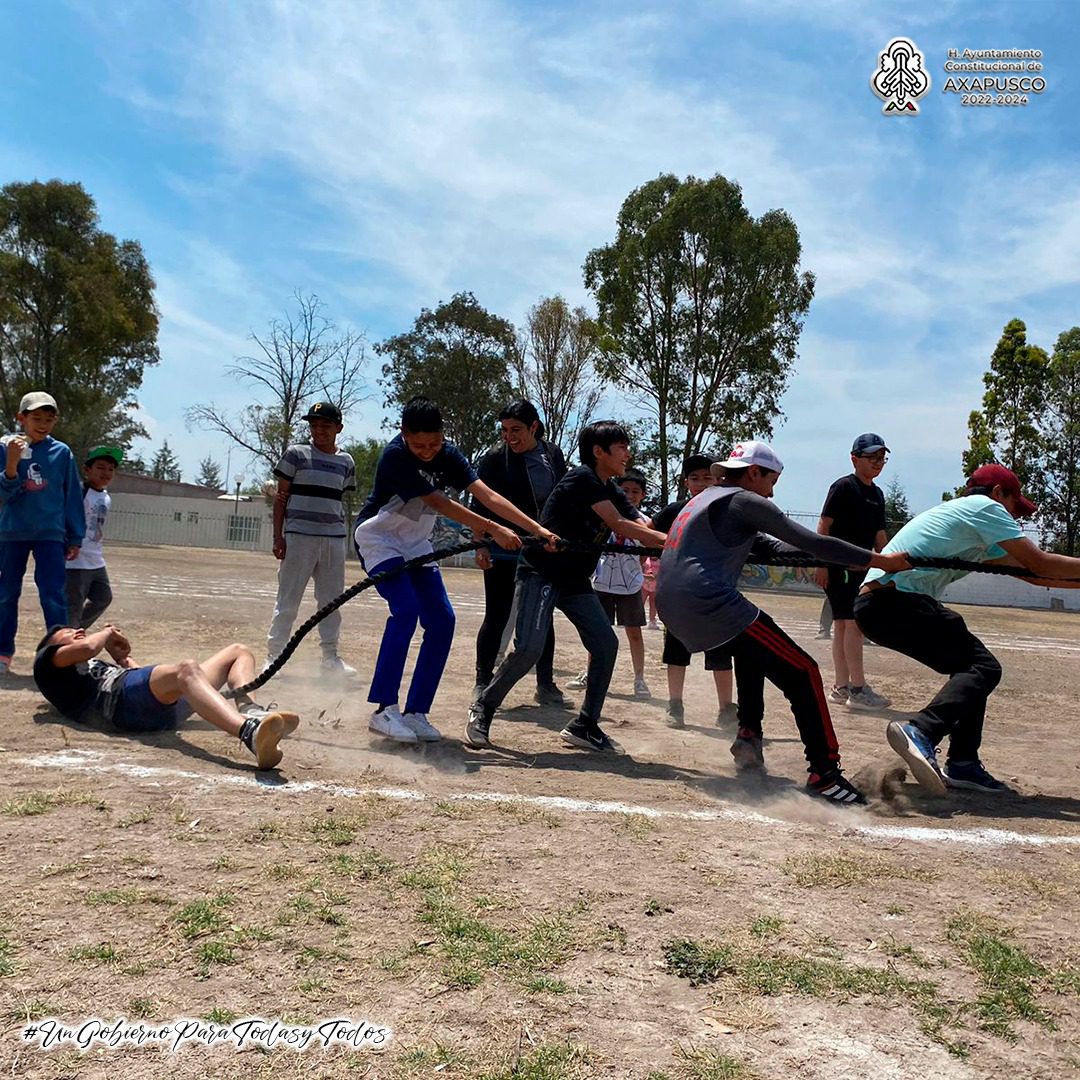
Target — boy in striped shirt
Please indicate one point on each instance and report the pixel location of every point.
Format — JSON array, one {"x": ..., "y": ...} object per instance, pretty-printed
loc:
[{"x": 309, "y": 532}]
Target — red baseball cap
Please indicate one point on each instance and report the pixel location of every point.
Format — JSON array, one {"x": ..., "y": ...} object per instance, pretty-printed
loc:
[{"x": 998, "y": 476}]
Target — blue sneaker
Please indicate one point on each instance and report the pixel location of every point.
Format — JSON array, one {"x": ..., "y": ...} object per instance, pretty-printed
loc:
[
  {"x": 920, "y": 754},
  {"x": 972, "y": 774}
]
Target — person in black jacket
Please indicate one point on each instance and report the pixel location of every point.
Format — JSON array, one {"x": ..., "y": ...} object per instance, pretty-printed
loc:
[{"x": 524, "y": 470}]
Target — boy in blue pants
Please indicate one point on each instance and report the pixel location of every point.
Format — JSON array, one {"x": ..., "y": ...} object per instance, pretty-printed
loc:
[
  {"x": 394, "y": 526},
  {"x": 41, "y": 513}
]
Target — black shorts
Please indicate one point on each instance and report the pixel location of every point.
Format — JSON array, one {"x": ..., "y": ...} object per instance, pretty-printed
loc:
[
  {"x": 842, "y": 589},
  {"x": 678, "y": 655},
  {"x": 623, "y": 610}
]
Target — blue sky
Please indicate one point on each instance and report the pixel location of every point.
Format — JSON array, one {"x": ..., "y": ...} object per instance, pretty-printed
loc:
[{"x": 386, "y": 156}]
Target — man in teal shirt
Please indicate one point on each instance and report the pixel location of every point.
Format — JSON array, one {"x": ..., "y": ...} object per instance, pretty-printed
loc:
[{"x": 902, "y": 612}]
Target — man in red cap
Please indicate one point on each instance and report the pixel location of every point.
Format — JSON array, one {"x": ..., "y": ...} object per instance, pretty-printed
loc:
[{"x": 902, "y": 612}]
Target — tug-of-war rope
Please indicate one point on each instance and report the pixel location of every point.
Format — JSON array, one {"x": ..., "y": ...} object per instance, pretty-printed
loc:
[{"x": 571, "y": 547}]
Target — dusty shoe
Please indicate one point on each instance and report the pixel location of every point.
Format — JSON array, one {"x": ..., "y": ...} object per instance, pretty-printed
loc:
[
  {"x": 478, "y": 726},
  {"x": 728, "y": 715},
  {"x": 334, "y": 665},
  {"x": 421, "y": 727},
  {"x": 838, "y": 695},
  {"x": 641, "y": 689},
  {"x": 578, "y": 682},
  {"x": 920, "y": 754},
  {"x": 588, "y": 735},
  {"x": 675, "y": 715},
  {"x": 863, "y": 697},
  {"x": 290, "y": 720},
  {"x": 973, "y": 776},
  {"x": 747, "y": 752},
  {"x": 391, "y": 723},
  {"x": 263, "y": 739},
  {"x": 550, "y": 695},
  {"x": 831, "y": 784}
]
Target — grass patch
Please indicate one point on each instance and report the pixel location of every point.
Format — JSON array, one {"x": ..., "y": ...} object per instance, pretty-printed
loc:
[
  {"x": 1006, "y": 972},
  {"x": 545, "y": 984},
  {"x": 126, "y": 897},
  {"x": 763, "y": 971},
  {"x": 30, "y": 1010},
  {"x": 7, "y": 954},
  {"x": 336, "y": 831},
  {"x": 283, "y": 872},
  {"x": 202, "y": 917},
  {"x": 710, "y": 1065},
  {"x": 363, "y": 866},
  {"x": 524, "y": 814},
  {"x": 814, "y": 871},
  {"x": 638, "y": 826},
  {"x": 141, "y": 1008},
  {"x": 218, "y": 1015},
  {"x": 139, "y": 817},
  {"x": 563, "y": 1062},
  {"x": 98, "y": 954},
  {"x": 766, "y": 926},
  {"x": 213, "y": 953},
  {"x": 41, "y": 802}
]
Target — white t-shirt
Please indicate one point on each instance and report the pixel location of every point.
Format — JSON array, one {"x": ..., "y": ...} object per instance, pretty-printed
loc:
[{"x": 92, "y": 555}]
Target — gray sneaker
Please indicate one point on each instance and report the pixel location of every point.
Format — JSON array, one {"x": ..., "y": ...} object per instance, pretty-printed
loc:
[
  {"x": 864, "y": 697},
  {"x": 675, "y": 716},
  {"x": 550, "y": 695}
]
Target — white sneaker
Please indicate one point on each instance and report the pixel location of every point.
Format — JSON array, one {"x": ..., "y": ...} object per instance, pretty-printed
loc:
[
  {"x": 337, "y": 666},
  {"x": 865, "y": 698},
  {"x": 421, "y": 727},
  {"x": 578, "y": 682},
  {"x": 391, "y": 723}
]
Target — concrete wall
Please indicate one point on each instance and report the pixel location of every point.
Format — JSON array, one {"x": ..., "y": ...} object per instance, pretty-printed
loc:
[{"x": 190, "y": 522}]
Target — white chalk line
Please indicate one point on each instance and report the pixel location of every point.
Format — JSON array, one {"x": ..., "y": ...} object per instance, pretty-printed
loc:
[{"x": 94, "y": 761}]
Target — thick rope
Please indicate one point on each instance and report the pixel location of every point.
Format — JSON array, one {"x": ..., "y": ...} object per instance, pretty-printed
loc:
[{"x": 571, "y": 547}]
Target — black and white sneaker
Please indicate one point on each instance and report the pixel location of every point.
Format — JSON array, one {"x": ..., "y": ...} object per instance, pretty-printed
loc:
[
  {"x": 478, "y": 726},
  {"x": 289, "y": 720},
  {"x": 834, "y": 786},
  {"x": 588, "y": 735}
]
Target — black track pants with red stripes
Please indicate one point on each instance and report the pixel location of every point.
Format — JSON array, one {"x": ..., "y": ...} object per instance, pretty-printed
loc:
[{"x": 763, "y": 651}]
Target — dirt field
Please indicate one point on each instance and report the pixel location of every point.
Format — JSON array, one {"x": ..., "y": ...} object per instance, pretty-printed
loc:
[{"x": 531, "y": 910}]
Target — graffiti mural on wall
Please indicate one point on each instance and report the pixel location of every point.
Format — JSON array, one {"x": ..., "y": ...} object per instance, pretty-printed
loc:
[{"x": 777, "y": 577}]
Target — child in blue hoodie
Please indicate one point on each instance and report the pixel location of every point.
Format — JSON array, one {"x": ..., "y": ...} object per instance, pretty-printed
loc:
[{"x": 41, "y": 513}]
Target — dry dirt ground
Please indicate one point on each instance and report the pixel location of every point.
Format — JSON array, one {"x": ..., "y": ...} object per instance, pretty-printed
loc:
[{"x": 532, "y": 910}]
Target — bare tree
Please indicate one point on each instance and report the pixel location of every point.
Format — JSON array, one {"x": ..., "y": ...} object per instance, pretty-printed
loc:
[
  {"x": 553, "y": 367},
  {"x": 302, "y": 358}
]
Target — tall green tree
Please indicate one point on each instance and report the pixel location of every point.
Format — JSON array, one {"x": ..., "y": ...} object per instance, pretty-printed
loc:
[
  {"x": 77, "y": 312},
  {"x": 210, "y": 474},
  {"x": 1059, "y": 510},
  {"x": 897, "y": 511},
  {"x": 1011, "y": 409},
  {"x": 459, "y": 356},
  {"x": 165, "y": 465},
  {"x": 302, "y": 358},
  {"x": 365, "y": 455},
  {"x": 700, "y": 311},
  {"x": 553, "y": 368}
]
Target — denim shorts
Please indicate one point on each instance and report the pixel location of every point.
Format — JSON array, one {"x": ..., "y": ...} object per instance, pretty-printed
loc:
[{"x": 136, "y": 710}]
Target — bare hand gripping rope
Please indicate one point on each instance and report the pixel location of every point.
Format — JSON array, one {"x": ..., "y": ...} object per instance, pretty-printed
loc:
[{"x": 571, "y": 547}]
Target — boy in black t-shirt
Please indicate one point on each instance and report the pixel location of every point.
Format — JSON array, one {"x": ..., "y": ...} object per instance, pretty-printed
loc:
[
  {"x": 583, "y": 507},
  {"x": 138, "y": 700},
  {"x": 854, "y": 510}
]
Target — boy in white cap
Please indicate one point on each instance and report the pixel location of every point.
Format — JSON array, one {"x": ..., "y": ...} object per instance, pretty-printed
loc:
[
  {"x": 88, "y": 590},
  {"x": 41, "y": 513},
  {"x": 854, "y": 510},
  {"x": 709, "y": 543}
]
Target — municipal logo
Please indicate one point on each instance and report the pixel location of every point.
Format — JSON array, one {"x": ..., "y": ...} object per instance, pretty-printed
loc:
[{"x": 901, "y": 78}]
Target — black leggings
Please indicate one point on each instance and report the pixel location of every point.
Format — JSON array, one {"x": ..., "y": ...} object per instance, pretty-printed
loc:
[{"x": 498, "y": 600}]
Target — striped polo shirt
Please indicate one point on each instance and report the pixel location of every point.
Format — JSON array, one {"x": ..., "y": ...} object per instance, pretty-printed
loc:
[{"x": 317, "y": 482}]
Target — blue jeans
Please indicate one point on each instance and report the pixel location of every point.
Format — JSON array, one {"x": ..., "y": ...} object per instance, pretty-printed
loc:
[
  {"x": 537, "y": 599},
  {"x": 416, "y": 596},
  {"x": 49, "y": 576}
]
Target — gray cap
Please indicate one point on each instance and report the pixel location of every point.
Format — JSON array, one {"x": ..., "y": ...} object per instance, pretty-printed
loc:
[{"x": 37, "y": 399}]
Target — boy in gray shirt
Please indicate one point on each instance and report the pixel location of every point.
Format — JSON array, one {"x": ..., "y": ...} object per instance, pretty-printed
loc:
[
  {"x": 697, "y": 597},
  {"x": 309, "y": 532}
]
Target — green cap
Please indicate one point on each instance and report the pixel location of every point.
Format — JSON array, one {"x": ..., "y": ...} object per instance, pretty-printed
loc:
[{"x": 113, "y": 453}]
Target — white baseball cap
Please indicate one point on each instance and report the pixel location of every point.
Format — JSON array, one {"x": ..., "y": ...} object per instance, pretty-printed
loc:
[
  {"x": 750, "y": 453},
  {"x": 37, "y": 399}
]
